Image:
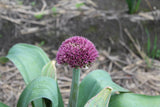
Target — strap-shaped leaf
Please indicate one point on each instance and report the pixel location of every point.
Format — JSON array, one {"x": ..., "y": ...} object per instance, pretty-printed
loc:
[
  {"x": 3, "y": 105},
  {"x": 32, "y": 62},
  {"x": 28, "y": 59},
  {"x": 49, "y": 70},
  {"x": 93, "y": 83},
  {"x": 134, "y": 100},
  {"x": 41, "y": 87},
  {"x": 101, "y": 99}
]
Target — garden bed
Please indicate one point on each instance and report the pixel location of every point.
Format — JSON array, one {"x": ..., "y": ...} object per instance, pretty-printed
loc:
[
  {"x": 127, "y": 70},
  {"x": 120, "y": 38}
]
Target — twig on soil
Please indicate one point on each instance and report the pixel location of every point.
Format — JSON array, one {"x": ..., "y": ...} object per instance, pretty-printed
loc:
[
  {"x": 64, "y": 79},
  {"x": 16, "y": 21},
  {"x": 125, "y": 46},
  {"x": 141, "y": 53},
  {"x": 110, "y": 67},
  {"x": 30, "y": 30},
  {"x": 11, "y": 76},
  {"x": 44, "y": 5},
  {"x": 112, "y": 59},
  {"x": 149, "y": 4}
]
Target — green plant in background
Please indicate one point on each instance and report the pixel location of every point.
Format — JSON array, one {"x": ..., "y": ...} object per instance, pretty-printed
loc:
[
  {"x": 39, "y": 16},
  {"x": 1, "y": 35},
  {"x": 54, "y": 10},
  {"x": 20, "y": 2},
  {"x": 133, "y": 5},
  {"x": 79, "y": 5},
  {"x": 33, "y": 3},
  {"x": 96, "y": 90},
  {"x": 152, "y": 52},
  {"x": 41, "y": 43},
  {"x": 3, "y": 60}
]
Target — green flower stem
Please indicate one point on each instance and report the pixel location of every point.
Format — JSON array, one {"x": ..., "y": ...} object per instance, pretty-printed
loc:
[{"x": 74, "y": 88}]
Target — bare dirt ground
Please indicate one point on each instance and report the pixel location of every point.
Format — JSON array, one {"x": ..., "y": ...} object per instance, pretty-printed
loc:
[{"x": 127, "y": 66}]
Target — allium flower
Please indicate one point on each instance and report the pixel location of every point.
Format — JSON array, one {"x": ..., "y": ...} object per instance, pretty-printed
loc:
[{"x": 77, "y": 52}]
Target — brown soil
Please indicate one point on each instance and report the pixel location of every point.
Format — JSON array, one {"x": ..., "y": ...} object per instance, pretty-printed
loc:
[{"x": 119, "y": 55}]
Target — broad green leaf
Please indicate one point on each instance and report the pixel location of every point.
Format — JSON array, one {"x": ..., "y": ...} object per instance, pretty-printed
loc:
[
  {"x": 41, "y": 87},
  {"x": 49, "y": 70},
  {"x": 4, "y": 60},
  {"x": 101, "y": 99},
  {"x": 38, "y": 103},
  {"x": 93, "y": 83},
  {"x": 134, "y": 100},
  {"x": 3, "y": 105},
  {"x": 28, "y": 59}
]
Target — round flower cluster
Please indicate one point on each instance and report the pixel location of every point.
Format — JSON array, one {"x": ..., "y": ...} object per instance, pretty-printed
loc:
[{"x": 77, "y": 51}]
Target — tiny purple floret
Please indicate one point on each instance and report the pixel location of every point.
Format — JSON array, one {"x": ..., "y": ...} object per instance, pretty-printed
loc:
[{"x": 77, "y": 51}]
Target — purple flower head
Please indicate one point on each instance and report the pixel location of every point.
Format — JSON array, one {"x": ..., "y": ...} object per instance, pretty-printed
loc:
[{"x": 77, "y": 52}]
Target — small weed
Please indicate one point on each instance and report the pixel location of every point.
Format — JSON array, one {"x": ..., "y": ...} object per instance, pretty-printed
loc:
[
  {"x": 20, "y": 2},
  {"x": 33, "y": 3},
  {"x": 3, "y": 60},
  {"x": 148, "y": 42},
  {"x": 54, "y": 10},
  {"x": 79, "y": 5},
  {"x": 155, "y": 52},
  {"x": 133, "y": 5},
  {"x": 41, "y": 43},
  {"x": 1, "y": 35},
  {"x": 39, "y": 16},
  {"x": 152, "y": 52}
]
